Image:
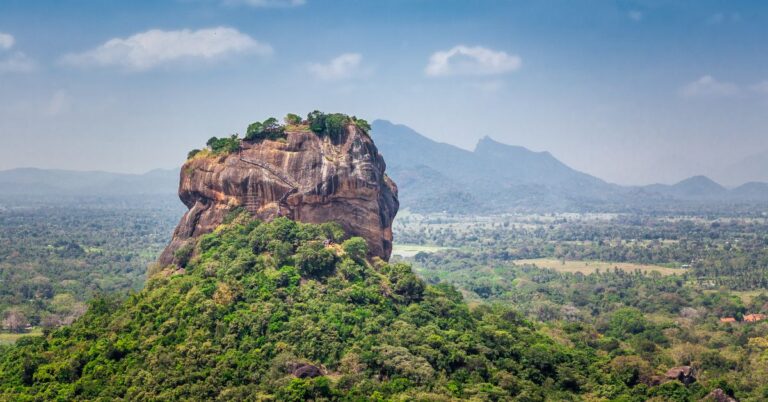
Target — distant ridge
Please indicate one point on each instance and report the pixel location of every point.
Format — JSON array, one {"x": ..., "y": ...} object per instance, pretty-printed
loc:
[
  {"x": 434, "y": 176},
  {"x": 696, "y": 187},
  {"x": 51, "y": 182},
  {"x": 497, "y": 177}
]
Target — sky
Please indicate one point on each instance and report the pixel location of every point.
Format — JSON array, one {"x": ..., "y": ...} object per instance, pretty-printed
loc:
[{"x": 634, "y": 92}]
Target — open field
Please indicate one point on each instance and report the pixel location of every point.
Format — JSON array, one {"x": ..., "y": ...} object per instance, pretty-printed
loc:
[
  {"x": 588, "y": 267},
  {"x": 409, "y": 250},
  {"x": 745, "y": 295},
  {"x": 9, "y": 338}
]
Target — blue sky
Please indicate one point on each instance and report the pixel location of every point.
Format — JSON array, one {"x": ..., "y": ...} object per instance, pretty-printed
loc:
[{"x": 634, "y": 92}]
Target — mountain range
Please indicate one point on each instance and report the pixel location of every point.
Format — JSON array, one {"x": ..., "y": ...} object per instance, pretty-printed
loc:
[
  {"x": 434, "y": 176},
  {"x": 52, "y": 182},
  {"x": 499, "y": 177}
]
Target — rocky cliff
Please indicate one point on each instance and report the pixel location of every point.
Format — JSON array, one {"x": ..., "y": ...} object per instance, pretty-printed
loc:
[{"x": 304, "y": 176}]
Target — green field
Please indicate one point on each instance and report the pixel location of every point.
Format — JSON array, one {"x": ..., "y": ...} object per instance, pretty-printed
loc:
[
  {"x": 9, "y": 338},
  {"x": 588, "y": 267},
  {"x": 409, "y": 250}
]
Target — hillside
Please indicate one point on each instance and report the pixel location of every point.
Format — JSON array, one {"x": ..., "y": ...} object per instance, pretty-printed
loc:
[{"x": 266, "y": 312}]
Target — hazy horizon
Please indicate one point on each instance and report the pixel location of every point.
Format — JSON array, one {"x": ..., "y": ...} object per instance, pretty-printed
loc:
[{"x": 632, "y": 92}]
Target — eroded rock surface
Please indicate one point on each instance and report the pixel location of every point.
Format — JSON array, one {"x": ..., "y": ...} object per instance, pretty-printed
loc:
[{"x": 306, "y": 177}]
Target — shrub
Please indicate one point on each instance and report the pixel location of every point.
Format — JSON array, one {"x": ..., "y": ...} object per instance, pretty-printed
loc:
[
  {"x": 313, "y": 259},
  {"x": 292, "y": 119},
  {"x": 224, "y": 145},
  {"x": 192, "y": 153},
  {"x": 356, "y": 248},
  {"x": 269, "y": 129}
]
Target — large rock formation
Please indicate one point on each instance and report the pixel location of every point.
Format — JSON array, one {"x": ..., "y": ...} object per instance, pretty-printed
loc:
[{"x": 305, "y": 177}]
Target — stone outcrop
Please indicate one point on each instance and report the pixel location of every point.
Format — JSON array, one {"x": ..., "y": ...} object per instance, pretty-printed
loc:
[
  {"x": 305, "y": 177},
  {"x": 684, "y": 374},
  {"x": 718, "y": 395}
]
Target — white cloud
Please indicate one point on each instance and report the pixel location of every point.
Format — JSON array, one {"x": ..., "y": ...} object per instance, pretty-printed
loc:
[
  {"x": 708, "y": 87},
  {"x": 266, "y": 3},
  {"x": 344, "y": 66},
  {"x": 150, "y": 49},
  {"x": 17, "y": 62},
  {"x": 6, "y": 41},
  {"x": 477, "y": 60},
  {"x": 635, "y": 15}
]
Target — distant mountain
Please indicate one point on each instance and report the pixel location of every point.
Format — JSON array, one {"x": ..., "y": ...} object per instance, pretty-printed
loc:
[
  {"x": 751, "y": 191},
  {"x": 496, "y": 177},
  {"x": 696, "y": 187},
  {"x": 753, "y": 168},
  {"x": 52, "y": 182},
  {"x": 434, "y": 176}
]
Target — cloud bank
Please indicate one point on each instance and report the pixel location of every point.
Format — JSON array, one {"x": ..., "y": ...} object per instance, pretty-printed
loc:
[
  {"x": 16, "y": 62},
  {"x": 344, "y": 66},
  {"x": 147, "y": 50},
  {"x": 477, "y": 60},
  {"x": 6, "y": 41}
]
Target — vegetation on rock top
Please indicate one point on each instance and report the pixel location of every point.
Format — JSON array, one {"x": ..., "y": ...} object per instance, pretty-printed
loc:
[{"x": 322, "y": 124}]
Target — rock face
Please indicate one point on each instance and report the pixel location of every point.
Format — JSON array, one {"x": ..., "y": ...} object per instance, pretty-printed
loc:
[{"x": 305, "y": 177}]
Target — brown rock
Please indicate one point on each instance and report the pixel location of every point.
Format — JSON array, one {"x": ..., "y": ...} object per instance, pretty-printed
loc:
[
  {"x": 718, "y": 395},
  {"x": 306, "y": 177},
  {"x": 684, "y": 374},
  {"x": 307, "y": 371}
]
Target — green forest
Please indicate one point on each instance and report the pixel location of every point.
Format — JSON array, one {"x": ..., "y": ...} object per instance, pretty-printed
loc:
[{"x": 290, "y": 311}]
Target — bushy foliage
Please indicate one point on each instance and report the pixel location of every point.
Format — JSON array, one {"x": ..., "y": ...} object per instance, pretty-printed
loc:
[
  {"x": 292, "y": 119},
  {"x": 334, "y": 124},
  {"x": 269, "y": 129},
  {"x": 260, "y": 299},
  {"x": 224, "y": 145}
]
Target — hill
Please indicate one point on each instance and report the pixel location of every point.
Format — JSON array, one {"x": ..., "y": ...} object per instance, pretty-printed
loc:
[
  {"x": 267, "y": 312},
  {"x": 54, "y": 182},
  {"x": 696, "y": 187}
]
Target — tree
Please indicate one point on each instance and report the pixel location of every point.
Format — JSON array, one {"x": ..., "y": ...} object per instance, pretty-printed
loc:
[
  {"x": 253, "y": 130},
  {"x": 625, "y": 322},
  {"x": 268, "y": 129},
  {"x": 362, "y": 124},
  {"x": 292, "y": 119},
  {"x": 314, "y": 259},
  {"x": 15, "y": 321},
  {"x": 356, "y": 248}
]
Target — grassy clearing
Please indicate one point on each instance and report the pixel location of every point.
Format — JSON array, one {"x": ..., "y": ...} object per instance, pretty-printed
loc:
[
  {"x": 409, "y": 250},
  {"x": 747, "y": 295},
  {"x": 9, "y": 338},
  {"x": 588, "y": 267}
]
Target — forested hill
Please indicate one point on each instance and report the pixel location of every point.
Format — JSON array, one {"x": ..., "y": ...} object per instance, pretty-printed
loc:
[{"x": 273, "y": 311}]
